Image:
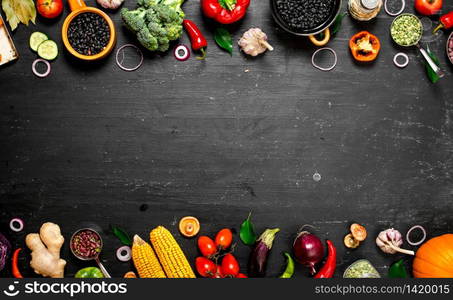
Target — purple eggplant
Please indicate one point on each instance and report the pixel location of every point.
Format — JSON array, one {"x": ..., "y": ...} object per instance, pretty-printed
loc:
[
  {"x": 5, "y": 250},
  {"x": 258, "y": 257}
]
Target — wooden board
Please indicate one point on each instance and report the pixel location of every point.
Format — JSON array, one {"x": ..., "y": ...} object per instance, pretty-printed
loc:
[{"x": 217, "y": 139}]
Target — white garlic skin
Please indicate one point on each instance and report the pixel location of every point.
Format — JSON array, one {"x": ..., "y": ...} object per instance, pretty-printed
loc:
[
  {"x": 392, "y": 236},
  {"x": 110, "y": 4},
  {"x": 254, "y": 42}
]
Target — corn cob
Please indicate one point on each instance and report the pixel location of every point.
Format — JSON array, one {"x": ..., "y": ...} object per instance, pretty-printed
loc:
[
  {"x": 173, "y": 260},
  {"x": 145, "y": 260}
]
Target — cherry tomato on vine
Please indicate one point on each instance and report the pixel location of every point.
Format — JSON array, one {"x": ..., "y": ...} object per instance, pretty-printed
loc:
[
  {"x": 241, "y": 275},
  {"x": 223, "y": 239},
  {"x": 205, "y": 267},
  {"x": 218, "y": 273},
  {"x": 230, "y": 266},
  {"x": 207, "y": 246}
]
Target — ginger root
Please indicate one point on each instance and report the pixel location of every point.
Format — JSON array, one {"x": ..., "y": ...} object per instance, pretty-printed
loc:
[{"x": 45, "y": 247}]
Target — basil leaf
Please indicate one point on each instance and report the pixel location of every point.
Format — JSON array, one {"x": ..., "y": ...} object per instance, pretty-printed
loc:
[
  {"x": 398, "y": 270},
  {"x": 337, "y": 23},
  {"x": 223, "y": 38},
  {"x": 247, "y": 233},
  {"x": 433, "y": 77},
  {"x": 121, "y": 235}
]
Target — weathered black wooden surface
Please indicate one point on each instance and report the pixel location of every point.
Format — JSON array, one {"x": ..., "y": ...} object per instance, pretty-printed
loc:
[{"x": 217, "y": 139}]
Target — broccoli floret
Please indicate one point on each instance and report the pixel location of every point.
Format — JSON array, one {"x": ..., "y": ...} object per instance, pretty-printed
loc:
[
  {"x": 147, "y": 39},
  {"x": 167, "y": 14},
  {"x": 157, "y": 30},
  {"x": 134, "y": 19},
  {"x": 164, "y": 44},
  {"x": 174, "y": 31}
]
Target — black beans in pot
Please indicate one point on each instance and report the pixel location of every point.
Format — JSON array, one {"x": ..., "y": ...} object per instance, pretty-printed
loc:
[
  {"x": 304, "y": 14},
  {"x": 89, "y": 33}
]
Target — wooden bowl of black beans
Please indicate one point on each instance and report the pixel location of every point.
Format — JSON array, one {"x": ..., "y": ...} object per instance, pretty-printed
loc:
[
  {"x": 305, "y": 17},
  {"x": 88, "y": 33}
]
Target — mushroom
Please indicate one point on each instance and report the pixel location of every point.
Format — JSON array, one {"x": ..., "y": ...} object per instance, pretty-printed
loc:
[
  {"x": 357, "y": 234},
  {"x": 189, "y": 226},
  {"x": 254, "y": 42}
]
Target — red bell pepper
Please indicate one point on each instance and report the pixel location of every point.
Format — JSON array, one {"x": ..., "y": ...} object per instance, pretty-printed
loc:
[
  {"x": 225, "y": 11},
  {"x": 446, "y": 21}
]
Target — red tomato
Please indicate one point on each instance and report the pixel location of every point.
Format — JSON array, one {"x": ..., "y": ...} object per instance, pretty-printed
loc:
[
  {"x": 224, "y": 238},
  {"x": 230, "y": 266},
  {"x": 207, "y": 246},
  {"x": 241, "y": 275},
  {"x": 218, "y": 273},
  {"x": 49, "y": 8},
  {"x": 428, "y": 7},
  {"x": 205, "y": 267}
]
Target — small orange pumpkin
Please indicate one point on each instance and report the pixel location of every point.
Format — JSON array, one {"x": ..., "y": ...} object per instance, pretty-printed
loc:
[{"x": 434, "y": 259}]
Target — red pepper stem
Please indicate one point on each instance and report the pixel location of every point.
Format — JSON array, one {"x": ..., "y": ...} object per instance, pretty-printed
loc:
[
  {"x": 203, "y": 54},
  {"x": 440, "y": 26}
]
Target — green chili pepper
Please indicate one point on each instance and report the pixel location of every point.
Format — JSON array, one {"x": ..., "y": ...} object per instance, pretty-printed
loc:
[
  {"x": 433, "y": 77},
  {"x": 398, "y": 270},
  {"x": 247, "y": 233},
  {"x": 289, "y": 271},
  {"x": 90, "y": 272}
]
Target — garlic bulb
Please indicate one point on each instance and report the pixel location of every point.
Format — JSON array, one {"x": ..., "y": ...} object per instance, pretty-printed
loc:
[
  {"x": 254, "y": 42},
  {"x": 110, "y": 4},
  {"x": 390, "y": 240}
]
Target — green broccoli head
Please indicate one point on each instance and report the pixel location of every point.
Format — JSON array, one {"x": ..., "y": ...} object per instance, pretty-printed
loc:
[
  {"x": 147, "y": 39},
  {"x": 134, "y": 19},
  {"x": 155, "y": 22}
]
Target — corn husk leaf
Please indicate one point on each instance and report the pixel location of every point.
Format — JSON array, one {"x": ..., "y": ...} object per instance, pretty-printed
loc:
[{"x": 19, "y": 11}]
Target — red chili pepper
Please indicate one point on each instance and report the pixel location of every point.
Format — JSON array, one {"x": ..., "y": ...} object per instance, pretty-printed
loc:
[
  {"x": 197, "y": 39},
  {"x": 15, "y": 268},
  {"x": 446, "y": 21},
  {"x": 225, "y": 11},
  {"x": 328, "y": 269}
]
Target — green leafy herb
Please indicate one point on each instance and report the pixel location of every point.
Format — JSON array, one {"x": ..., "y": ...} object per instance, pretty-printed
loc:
[
  {"x": 121, "y": 235},
  {"x": 223, "y": 38},
  {"x": 433, "y": 77},
  {"x": 247, "y": 233},
  {"x": 18, "y": 11},
  {"x": 398, "y": 270},
  {"x": 337, "y": 23}
]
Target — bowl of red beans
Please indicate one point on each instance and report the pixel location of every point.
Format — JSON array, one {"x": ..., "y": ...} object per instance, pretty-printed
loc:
[
  {"x": 450, "y": 47},
  {"x": 86, "y": 244}
]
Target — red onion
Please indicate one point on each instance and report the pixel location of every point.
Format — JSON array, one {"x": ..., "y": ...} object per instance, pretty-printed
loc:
[
  {"x": 124, "y": 253},
  {"x": 16, "y": 225},
  {"x": 119, "y": 62},
  {"x": 185, "y": 53},
  {"x": 308, "y": 250},
  {"x": 322, "y": 68},
  {"x": 41, "y": 75}
]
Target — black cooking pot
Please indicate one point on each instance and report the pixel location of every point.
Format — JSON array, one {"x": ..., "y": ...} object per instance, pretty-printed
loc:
[{"x": 324, "y": 26}]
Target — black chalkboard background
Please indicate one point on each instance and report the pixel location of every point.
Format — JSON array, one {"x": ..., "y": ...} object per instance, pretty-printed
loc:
[{"x": 217, "y": 139}]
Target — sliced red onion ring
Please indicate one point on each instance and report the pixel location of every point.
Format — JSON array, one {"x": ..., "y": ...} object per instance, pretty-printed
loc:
[
  {"x": 120, "y": 253},
  {"x": 401, "y": 65},
  {"x": 409, "y": 233},
  {"x": 394, "y": 14},
  {"x": 181, "y": 48},
  {"x": 16, "y": 224},
  {"x": 119, "y": 63},
  {"x": 321, "y": 68},
  {"x": 41, "y": 75}
]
